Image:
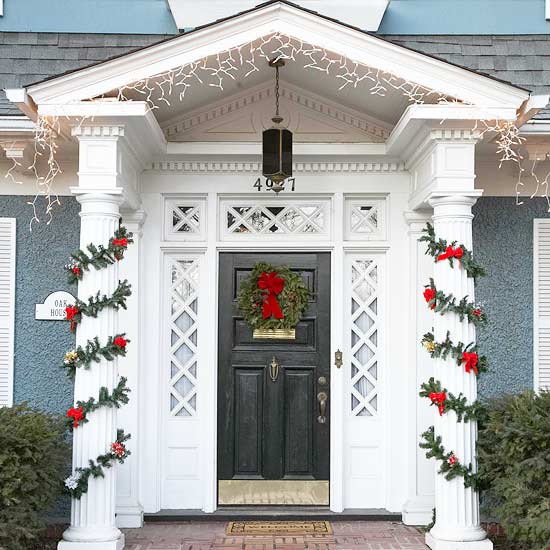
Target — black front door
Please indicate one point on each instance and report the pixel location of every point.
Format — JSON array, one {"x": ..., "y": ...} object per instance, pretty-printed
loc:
[{"x": 273, "y": 423}]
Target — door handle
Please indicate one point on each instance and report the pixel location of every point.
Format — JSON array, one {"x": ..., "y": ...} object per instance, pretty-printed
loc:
[
  {"x": 274, "y": 370},
  {"x": 322, "y": 398}
]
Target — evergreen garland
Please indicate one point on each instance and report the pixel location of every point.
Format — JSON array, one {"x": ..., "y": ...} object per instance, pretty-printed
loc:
[
  {"x": 93, "y": 351},
  {"x": 98, "y": 302},
  {"x": 98, "y": 256},
  {"x": 448, "y": 402},
  {"x": 442, "y": 303},
  {"x": 77, "y": 483},
  {"x": 447, "y": 349},
  {"x": 293, "y": 298},
  {"x": 440, "y": 248},
  {"x": 118, "y": 397},
  {"x": 450, "y": 467}
]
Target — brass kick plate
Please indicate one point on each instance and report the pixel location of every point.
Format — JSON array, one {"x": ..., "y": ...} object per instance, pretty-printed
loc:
[{"x": 260, "y": 491}]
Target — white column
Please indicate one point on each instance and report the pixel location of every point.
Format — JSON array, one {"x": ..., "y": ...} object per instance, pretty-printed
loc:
[
  {"x": 129, "y": 511},
  {"x": 418, "y": 508},
  {"x": 457, "y": 507},
  {"x": 93, "y": 515}
]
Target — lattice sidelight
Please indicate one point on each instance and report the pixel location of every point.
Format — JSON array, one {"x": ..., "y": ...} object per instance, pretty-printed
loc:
[
  {"x": 184, "y": 219},
  {"x": 184, "y": 299},
  {"x": 364, "y": 337},
  {"x": 365, "y": 219},
  {"x": 278, "y": 218}
]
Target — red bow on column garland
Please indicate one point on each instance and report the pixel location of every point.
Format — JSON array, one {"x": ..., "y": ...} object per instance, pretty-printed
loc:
[
  {"x": 71, "y": 312},
  {"x": 273, "y": 286},
  {"x": 76, "y": 414},
  {"x": 429, "y": 294},
  {"x": 439, "y": 399},
  {"x": 470, "y": 361},
  {"x": 451, "y": 253}
]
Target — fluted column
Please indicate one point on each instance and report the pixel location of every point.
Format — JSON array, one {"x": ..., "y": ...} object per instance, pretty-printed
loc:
[
  {"x": 93, "y": 515},
  {"x": 457, "y": 525}
]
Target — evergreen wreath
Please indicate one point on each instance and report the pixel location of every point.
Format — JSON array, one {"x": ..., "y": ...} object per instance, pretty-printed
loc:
[{"x": 273, "y": 297}]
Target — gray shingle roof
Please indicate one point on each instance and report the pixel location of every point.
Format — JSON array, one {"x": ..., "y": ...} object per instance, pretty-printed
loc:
[{"x": 523, "y": 60}]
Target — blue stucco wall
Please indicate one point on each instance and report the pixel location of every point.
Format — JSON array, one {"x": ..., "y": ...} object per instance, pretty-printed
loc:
[
  {"x": 154, "y": 17},
  {"x": 41, "y": 345},
  {"x": 503, "y": 242}
]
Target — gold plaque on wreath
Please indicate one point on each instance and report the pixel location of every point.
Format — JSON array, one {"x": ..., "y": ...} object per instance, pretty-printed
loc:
[{"x": 274, "y": 334}]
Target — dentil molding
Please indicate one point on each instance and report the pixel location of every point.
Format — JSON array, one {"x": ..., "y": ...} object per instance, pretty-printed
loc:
[{"x": 230, "y": 167}]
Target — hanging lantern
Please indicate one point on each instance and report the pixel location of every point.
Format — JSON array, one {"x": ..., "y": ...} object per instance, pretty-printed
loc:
[{"x": 277, "y": 143}]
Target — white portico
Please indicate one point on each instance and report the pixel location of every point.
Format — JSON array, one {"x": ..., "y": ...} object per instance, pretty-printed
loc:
[{"x": 169, "y": 139}]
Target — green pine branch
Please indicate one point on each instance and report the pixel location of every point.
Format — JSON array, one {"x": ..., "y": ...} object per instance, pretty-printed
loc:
[
  {"x": 98, "y": 256},
  {"x": 93, "y": 351},
  {"x": 449, "y": 466},
  {"x": 95, "y": 467},
  {"x": 116, "y": 399},
  {"x": 458, "y": 404},
  {"x": 97, "y": 303},
  {"x": 437, "y": 247},
  {"x": 447, "y": 349},
  {"x": 447, "y": 303}
]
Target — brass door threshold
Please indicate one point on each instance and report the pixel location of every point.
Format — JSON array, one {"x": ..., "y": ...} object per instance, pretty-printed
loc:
[{"x": 269, "y": 492}]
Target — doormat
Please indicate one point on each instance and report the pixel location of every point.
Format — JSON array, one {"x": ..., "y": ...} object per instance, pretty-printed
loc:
[{"x": 278, "y": 528}]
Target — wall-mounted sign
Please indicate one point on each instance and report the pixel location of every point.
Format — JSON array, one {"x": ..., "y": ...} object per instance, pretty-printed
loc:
[{"x": 53, "y": 308}]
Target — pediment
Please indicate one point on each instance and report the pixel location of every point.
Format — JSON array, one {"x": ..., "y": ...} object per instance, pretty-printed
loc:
[{"x": 244, "y": 116}]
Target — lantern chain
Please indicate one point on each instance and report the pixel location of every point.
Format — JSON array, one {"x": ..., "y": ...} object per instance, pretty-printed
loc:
[{"x": 277, "y": 91}]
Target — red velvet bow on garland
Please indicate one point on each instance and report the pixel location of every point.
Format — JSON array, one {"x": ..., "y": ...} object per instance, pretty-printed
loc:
[
  {"x": 439, "y": 399},
  {"x": 470, "y": 361},
  {"x": 273, "y": 286},
  {"x": 451, "y": 252}
]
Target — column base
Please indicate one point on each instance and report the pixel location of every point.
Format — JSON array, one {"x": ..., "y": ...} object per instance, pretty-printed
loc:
[
  {"x": 109, "y": 545},
  {"x": 129, "y": 517},
  {"x": 438, "y": 544},
  {"x": 418, "y": 511}
]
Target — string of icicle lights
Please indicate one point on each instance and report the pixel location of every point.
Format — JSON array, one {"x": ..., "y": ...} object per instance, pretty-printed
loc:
[{"x": 241, "y": 62}]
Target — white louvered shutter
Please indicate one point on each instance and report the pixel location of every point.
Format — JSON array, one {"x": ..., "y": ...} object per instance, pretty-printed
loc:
[
  {"x": 7, "y": 309},
  {"x": 541, "y": 284}
]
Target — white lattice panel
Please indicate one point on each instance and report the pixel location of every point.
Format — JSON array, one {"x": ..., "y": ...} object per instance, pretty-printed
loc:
[
  {"x": 184, "y": 219},
  {"x": 184, "y": 300},
  {"x": 275, "y": 219},
  {"x": 364, "y": 329},
  {"x": 365, "y": 219}
]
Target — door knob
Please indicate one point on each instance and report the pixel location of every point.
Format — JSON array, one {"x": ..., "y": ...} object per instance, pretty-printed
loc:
[{"x": 322, "y": 399}]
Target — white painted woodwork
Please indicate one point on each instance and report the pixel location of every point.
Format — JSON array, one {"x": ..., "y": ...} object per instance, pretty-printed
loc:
[
  {"x": 457, "y": 507},
  {"x": 7, "y": 309},
  {"x": 421, "y": 500},
  {"x": 364, "y": 375},
  {"x": 541, "y": 302},
  {"x": 129, "y": 511},
  {"x": 93, "y": 515}
]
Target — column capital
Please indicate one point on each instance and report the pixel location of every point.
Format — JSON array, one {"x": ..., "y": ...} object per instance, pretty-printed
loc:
[{"x": 134, "y": 220}]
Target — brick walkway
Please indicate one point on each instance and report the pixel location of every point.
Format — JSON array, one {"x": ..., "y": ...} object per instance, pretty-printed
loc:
[{"x": 348, "y": 535}]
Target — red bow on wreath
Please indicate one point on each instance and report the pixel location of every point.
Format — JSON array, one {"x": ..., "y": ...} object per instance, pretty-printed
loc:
[
  {"x": 439, "y": 399},
  {"x": 273, "y": 285},
  {"x": 470, "y": 361},
  {"x": 451, "y": 253}
]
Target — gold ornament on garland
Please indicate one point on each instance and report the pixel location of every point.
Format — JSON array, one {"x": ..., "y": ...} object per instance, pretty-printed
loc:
[{"x": 272, "y": 301}]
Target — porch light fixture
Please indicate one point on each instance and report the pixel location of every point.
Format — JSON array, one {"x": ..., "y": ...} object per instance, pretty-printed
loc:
[{"x": 277, "y": 142}]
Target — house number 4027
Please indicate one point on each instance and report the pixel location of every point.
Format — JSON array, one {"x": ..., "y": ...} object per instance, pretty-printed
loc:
[{"x": 288, "y": 185}]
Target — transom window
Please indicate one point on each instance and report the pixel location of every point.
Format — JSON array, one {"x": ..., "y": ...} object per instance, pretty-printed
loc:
[{"x": 275, "y": 218}]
